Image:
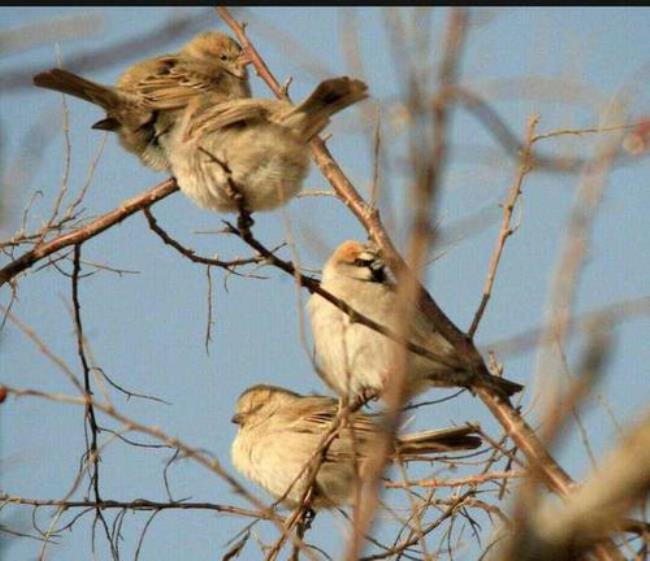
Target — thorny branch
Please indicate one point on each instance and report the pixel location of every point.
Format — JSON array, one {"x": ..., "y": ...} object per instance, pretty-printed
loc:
[
  {"x": 588, "y": 197},
  {"x": 469, "y": 480}
]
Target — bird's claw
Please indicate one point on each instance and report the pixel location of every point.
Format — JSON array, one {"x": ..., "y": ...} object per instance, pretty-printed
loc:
[
  {"x": 244, "y": 220},
  {"x": 308, "y": 518}
]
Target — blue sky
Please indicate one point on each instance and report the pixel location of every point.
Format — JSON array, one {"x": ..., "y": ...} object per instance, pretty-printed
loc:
[{"x": 146, "y": 329}]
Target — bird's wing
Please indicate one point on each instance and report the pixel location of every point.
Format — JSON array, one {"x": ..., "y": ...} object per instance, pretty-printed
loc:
[
  {"x": 170, "y": 82},
  {"x": 353, "y": 439},
  {"x": 316, "y": 412},
  {"x": 227, "y": 113}
]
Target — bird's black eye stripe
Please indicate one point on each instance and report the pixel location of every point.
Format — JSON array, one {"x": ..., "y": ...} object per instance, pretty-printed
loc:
[{"x": 359, "y": 262}]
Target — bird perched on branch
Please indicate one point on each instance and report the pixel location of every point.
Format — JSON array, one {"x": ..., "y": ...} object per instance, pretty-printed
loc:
[
  {"x": 281, "y": 432},
  {"x": 150, "y": 95},
  {"x": 355, "y": 360},
  {"x": 251, "y": 154}
]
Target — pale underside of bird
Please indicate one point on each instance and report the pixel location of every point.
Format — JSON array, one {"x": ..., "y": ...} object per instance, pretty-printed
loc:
[
  {"x": 151, "y": 94},
  {"x": 256, "y": 149},
  {"x": 280, "y": 433},
  {"x": 354, "y": 359}
]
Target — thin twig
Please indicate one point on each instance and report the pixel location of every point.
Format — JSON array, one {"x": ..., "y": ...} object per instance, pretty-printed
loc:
[
  {"x": 88, "y": 230},
  {"x": 230, "y": 265},
  {"x": 506, "y": 231},
  {"x": 469, "y": 480},
  {"x": 135, "y": 505},
  {"x": 92, "y": 452}
]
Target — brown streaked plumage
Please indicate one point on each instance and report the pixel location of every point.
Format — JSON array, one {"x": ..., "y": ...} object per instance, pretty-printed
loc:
[
  {"x": 280, "y": 430},
  {"x": 258, "y": 145},
  {"x": 151, "y": 94}
]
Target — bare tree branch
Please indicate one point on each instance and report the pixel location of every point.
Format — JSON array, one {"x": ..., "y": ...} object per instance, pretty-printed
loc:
[{"x": 88, "y": 230}]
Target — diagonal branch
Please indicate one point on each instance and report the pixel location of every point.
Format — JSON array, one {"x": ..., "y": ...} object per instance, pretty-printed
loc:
[
  {"x": 89, "y": 230},
  {"x": 506, "y": 231},
  {"x": 230, "y": 265},
  {"x": 314, "y": 287}
]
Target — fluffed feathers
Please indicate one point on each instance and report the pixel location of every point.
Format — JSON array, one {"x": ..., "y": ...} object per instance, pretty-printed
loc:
[
  {"x": 352, "y": 358},
  {"x": 280, "y": 431},
  {"x": 152, "y": 94},
  {"x": 256, "y": 147}
]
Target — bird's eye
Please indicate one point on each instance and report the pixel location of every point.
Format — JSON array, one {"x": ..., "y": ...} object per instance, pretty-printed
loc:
[
  {"x": 358, "y": 262},
  {"x": 224, "y": 57}
]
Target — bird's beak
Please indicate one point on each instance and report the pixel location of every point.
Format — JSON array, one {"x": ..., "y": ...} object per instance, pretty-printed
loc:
[
  {"x": 237, "y": 418},
  {"x": 244, "y": 58},
  {"x": 239, "y": 68},
  {"x": 108, "y": 124}
]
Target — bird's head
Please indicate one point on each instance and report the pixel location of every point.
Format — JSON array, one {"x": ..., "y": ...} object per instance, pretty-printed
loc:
[
  {"x": 357, "y": 261},
  {"x": 218, "y": 48},
  {"x": 258, "y": 402}
]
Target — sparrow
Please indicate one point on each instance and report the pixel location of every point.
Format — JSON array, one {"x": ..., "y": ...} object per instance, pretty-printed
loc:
[
  {"x": 355, "y": 360},
  {"x": 251, "y": 154},
  {"x": 280, "y": 432},
  {"x": 151, "y": 94}
]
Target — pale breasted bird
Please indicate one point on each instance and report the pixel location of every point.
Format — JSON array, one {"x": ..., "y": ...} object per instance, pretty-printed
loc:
[{"x": 280, "y": 433}]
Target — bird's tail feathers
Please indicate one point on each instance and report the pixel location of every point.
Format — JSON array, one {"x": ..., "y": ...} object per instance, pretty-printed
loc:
[
  {"x": 416, "y": 445},
  {"x": 69, "y": 83},
  {"x": 329, "y": 97},
  {"x": 465, "y": 379},
  {"x": 500, "y": 385}
]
